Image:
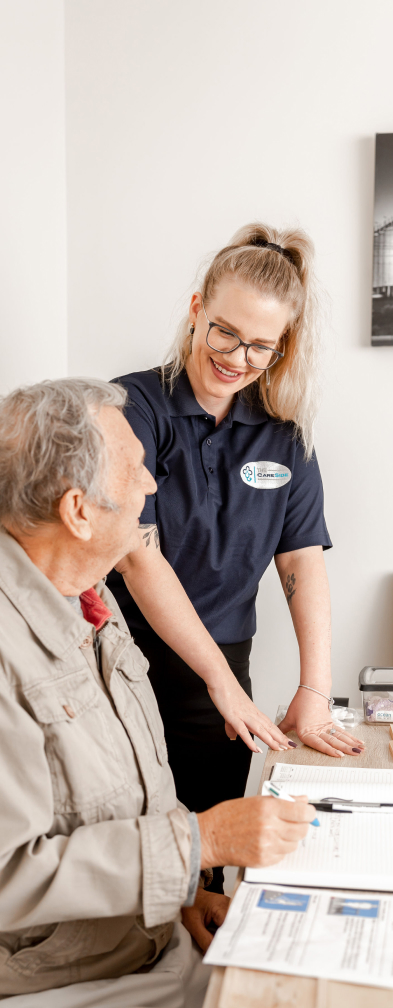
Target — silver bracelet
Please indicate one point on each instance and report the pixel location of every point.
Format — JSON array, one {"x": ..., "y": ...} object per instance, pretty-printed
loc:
[{"x": 328, "y": 698}]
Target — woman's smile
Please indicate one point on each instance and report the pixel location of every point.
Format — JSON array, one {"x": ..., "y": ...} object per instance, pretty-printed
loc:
[
  {"x": 224, "y": 374},
  {"x": 244, "y": 312}
]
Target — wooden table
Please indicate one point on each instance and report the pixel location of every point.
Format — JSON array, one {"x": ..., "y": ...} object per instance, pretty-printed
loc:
[{"x": 232, "y": 987}]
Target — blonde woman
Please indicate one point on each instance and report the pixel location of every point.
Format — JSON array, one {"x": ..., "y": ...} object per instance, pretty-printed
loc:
[{"x": 227, "y": 430}]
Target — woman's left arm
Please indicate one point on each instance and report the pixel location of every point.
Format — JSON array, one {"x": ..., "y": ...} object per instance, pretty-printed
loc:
[{"x": 304, "y": 580}]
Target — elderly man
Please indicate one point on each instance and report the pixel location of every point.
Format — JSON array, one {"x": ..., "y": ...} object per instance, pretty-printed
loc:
[{"x": 96, "y": 856}]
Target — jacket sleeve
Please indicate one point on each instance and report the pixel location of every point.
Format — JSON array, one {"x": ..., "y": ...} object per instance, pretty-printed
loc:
[{"x": 113, "y": 868}]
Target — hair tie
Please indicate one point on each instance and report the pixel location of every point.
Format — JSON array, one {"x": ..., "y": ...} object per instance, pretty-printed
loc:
[{"x": 262, "y": 243}]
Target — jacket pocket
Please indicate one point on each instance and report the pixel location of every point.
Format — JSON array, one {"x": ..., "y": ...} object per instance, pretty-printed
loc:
[
  {"x": 68, "y": 941},
  {"x": 84, "y": 767},
  {"x": 133, "y": 667}
]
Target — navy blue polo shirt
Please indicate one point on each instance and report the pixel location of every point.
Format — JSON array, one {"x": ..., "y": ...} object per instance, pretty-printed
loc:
[{"x": 228, "y": 499}]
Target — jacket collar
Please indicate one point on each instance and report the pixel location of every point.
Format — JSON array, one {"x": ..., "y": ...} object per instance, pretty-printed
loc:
[
  {"x": 182, "y": 402},
  {"x": 51, "y": 618}
]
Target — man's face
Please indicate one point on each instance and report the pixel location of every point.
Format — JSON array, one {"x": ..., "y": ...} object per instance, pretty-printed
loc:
[{"x": 127, "y": 482}]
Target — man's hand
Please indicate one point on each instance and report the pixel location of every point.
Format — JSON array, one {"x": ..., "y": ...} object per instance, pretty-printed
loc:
[
  {"x": 308, "y": 714},
  {"x": 208, "y": 907},
  {"x": 252, "y": 832}
]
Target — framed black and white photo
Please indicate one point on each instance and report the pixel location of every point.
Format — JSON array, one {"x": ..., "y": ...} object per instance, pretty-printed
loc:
[{"x": 382, "y": 299}]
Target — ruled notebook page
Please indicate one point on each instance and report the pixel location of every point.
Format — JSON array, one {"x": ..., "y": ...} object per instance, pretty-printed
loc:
[
  {"x": 360, "y": 784},
  {"x": 347, "y": 851}
]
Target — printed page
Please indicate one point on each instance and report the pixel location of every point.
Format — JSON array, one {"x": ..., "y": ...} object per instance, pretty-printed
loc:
[
  {"x": 284, "y": 930},
  {"x": 335, "y": 782},
  {"x": 347, "y": 850}
]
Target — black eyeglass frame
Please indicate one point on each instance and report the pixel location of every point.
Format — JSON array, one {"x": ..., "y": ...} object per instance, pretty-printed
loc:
[{"x": 240, "y": 342}]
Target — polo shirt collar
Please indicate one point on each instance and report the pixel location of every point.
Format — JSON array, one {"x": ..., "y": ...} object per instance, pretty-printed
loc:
[
  {"x": 182, "y": 402},
  {"x": 244, "y": 413}
]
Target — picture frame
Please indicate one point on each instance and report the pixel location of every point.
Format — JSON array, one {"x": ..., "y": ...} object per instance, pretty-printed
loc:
[{"x": 382, "y": 293}]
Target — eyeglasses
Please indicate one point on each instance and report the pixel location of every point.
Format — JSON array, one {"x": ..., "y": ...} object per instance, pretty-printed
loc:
[{"x": 224, "y": 341}]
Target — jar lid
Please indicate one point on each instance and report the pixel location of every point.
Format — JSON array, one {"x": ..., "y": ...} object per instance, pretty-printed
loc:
[{"x": 372, "y": 678}]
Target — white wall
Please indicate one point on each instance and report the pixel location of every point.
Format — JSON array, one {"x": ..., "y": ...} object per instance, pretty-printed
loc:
[
  {"x": 183, "y": 122},
  {"x": 32, "y": 192}
]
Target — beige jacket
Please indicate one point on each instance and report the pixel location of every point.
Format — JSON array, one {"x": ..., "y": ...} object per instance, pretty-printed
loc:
[{"x": 94, "y": 853}]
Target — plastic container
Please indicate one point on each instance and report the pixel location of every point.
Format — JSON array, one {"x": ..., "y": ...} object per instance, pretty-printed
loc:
[
  {"x": 346, "y": 717},
  {"x": 376, "y": 684}
]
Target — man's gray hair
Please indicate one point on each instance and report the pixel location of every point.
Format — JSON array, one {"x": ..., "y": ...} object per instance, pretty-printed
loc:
[{"x": 50, "y": 441}]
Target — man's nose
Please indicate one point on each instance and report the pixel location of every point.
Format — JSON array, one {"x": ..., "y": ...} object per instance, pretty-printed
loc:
[{"x": 149, "y": 483}]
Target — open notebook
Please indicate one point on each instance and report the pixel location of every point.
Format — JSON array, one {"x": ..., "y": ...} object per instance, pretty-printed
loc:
[{"x": 346, "y": 851}]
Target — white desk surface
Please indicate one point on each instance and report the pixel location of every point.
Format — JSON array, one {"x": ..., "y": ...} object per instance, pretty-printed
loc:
[{"x": 232, "y": 987}]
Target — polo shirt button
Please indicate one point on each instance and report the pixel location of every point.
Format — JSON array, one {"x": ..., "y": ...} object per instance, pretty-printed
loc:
[
  {"x": 86, "y": 642},
  {"x": 211, "y": 470},
  {"x": 209, "y": 441}
]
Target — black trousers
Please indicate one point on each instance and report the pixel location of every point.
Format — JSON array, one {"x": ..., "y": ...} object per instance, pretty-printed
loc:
[{"x": 208, "y": 768}]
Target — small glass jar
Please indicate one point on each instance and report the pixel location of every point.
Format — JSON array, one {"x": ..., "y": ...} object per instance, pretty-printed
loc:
[{"x": 376, "y": 684}]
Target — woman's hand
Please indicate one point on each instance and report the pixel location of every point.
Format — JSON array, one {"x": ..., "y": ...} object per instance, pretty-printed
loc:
[
  {"x": 208, "y": 908},
  {"x": 311, "y": 720},
  {"x": 242, "y": 716},
  {"x": 162, "y": 599}
]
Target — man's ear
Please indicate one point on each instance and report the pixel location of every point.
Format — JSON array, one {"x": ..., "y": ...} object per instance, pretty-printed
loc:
[{"x": 75, "y": 513}]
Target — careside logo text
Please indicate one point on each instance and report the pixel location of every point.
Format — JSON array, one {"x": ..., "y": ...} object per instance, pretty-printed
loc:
[{"x": 265, "y": 475}]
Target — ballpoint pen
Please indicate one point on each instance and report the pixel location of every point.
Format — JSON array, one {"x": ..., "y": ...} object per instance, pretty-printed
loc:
[
  {"x": 270, "y": 788},
  {"x": 347, "y": 805}
]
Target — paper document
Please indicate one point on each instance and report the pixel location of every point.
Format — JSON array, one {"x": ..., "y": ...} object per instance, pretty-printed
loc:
[
  {"x": 338, "y": 782},
  {"x": 353, "y": 851},
  {"x": 346, "y": 850},
  {"x": 337, "y": 935}
]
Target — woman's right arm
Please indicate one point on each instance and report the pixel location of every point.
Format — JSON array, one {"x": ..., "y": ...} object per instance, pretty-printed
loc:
[{"x": 161, "y": 598}]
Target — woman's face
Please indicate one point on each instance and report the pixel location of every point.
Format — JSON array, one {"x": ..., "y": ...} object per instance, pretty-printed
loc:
[{"x": 242, "y": 310}]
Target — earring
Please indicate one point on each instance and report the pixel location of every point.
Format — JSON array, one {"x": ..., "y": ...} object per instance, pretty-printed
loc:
[
  {"x": 192, "y": 330},
  {"x": 267, "y": 378}
]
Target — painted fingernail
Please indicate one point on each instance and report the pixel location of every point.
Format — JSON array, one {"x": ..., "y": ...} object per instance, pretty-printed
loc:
[
  {"x": 355, "y": 750},
  {"x": 259, "y": 750},
  {"x": 293, "y": 744}
]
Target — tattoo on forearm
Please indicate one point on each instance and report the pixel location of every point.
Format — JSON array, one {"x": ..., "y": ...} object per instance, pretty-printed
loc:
[
  {"x": 290, "y": 587},
  {"x": 151, "y": 535}
]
